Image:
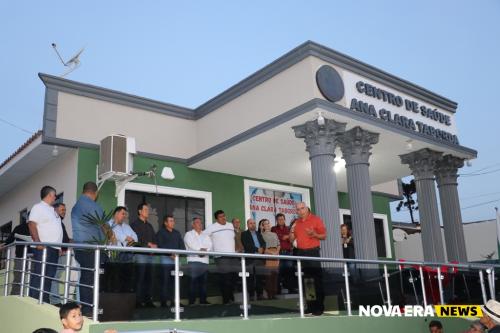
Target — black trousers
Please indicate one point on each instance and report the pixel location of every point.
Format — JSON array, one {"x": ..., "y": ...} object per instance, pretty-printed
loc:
[
  {"x": 226, "y": 267},
  {"x": 50, "y": 272},
  {"x": 144, "y": 277},
  {"x": 312, "y": 270},
  {"x": 86, "y": 259},
  {"x": 255, "y": 280}
]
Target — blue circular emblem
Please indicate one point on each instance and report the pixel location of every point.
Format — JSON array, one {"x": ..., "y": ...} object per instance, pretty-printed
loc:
[{"x": 330, "y": 83}]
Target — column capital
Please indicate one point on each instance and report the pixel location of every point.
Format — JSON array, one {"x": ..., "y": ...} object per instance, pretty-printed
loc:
[
  {"x": 320, "y": 139},
  {"x": 356, "y": 144},
  {"x": 446, "y": 170},
  {"x": 422, "y": 162}
]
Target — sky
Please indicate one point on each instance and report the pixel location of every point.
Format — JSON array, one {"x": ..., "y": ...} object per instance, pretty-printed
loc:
[{"x": 186, "y": 52}]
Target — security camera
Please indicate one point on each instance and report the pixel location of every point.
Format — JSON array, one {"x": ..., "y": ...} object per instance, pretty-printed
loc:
[{"x": 167, "y": 173}]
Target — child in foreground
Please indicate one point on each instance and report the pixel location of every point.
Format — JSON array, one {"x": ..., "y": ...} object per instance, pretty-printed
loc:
[{"x": 72, "y": 319}]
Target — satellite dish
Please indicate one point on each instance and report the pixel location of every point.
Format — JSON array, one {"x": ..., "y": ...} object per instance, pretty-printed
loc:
[
  {"x": 399, "y": 235},
  {"x": 72, "y": 64}
]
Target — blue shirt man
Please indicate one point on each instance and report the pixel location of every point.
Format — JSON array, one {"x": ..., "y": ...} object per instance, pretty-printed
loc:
[
  {"x": 124, "y": 235},
  {"x": 83, "y": 230}
]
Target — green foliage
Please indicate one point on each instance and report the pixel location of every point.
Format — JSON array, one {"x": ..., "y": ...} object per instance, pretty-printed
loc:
[{"x": 101, "y": 222}]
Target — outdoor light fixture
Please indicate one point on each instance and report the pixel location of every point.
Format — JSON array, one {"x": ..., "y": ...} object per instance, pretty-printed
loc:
[
  {"x": 321, "y": 119},
  {"x": 339, "y": 164},
  {"x": 167, "y": 173},
  {"x": 409, "y": 145},
  {"x": 55, "y": 151},
  {"x": 468, "y": 163}
]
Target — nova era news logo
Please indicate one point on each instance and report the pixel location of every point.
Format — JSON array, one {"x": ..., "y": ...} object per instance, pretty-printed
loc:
[{"x": 420, "y": 311}]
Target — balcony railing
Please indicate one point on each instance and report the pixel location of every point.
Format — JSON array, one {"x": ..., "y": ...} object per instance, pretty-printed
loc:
[{"x": 424, "y": 279}]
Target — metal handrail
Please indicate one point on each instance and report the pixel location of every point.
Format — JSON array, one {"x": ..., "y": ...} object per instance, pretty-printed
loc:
[
  {"x": 343, "y": 266},
  {"x": 254, "y": 255}
]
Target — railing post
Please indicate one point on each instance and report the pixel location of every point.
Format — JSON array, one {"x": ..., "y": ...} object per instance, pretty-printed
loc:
[
  {"x": 347, "y": 290},
  {"x": 440, "y": 285},
  {"x": 42, "y": 275},
  {"x": 23, "y": 271},
  {"x": 27, "y": 290},
  {"x": 7, "y": 268},
  {"x": 387, "y": 291},
  {"x": 97, "y": 271},
  {"x": 301, "y": 293},
  {"x": 412, "y": 280},
  {"x": 422, "y": 282},
  {"x": 244, "y": 287},
  {"x": 490, "y": 283},
  {"x": 66, "y": 275},
  {"x": 177, "y": 289},
  {"x": 493, "y": 283},
  {"x": 483, "y": 289}
]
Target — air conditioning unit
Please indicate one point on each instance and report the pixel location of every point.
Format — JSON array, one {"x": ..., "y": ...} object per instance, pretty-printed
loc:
[{"x": 116, "y": 156}]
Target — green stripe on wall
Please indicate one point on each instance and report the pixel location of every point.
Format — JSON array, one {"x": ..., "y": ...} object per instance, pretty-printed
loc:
[{"x": 227, "y": 190}]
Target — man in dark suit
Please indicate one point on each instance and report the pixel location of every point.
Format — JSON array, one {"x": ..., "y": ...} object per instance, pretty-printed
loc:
[{"x": 254, "y": 243}]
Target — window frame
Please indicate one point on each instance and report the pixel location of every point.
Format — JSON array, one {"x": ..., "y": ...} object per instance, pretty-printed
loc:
[
  {"x": 175, "y": 191},
  {"x": 385, "y": 221}
]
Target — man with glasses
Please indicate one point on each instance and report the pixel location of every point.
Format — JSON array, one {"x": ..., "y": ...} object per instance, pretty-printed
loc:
[
  {"x": 309, "y": 231},
  {"x": 222, "y": 235}
]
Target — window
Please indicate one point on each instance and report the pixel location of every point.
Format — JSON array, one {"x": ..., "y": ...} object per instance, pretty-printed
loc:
[
  {"x": 23, "y": 216},
  {"x": 5, "y": 231},
  {"x": 59, "y": 198},
  {"x": 381, "y": 232},
  {"x": 184, "y": 209}
]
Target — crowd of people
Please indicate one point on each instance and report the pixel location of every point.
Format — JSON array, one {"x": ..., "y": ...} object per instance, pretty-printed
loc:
[
  {"x": 273, "y": 276},
  {"x": 301, "y": 238}
]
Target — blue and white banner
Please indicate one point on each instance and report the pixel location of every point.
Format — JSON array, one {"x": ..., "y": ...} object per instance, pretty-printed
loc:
[{"x": 266, "y": 203}]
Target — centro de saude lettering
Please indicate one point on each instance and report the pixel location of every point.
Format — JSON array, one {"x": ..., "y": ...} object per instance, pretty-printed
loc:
[{"x": 380, "y": 94}]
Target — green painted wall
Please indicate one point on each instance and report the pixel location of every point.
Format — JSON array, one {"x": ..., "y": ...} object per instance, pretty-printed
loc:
[
  {"x": 23, "y": 314},
  {"x": 326, "y": 324},
  {"x": 227, "y": 190},
  {"x": 87, "y": 162}
]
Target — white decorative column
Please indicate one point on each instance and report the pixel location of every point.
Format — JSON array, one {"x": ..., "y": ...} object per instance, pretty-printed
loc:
[
  {"x": 356, "y": 145},
  {"x": 422, "y": 164},
  {"x": 446, "y": 172},
  {"x": 321, "y": 140}
]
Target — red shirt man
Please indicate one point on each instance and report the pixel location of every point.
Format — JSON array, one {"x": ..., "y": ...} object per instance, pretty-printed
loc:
[{"x": 308, "y": 229}]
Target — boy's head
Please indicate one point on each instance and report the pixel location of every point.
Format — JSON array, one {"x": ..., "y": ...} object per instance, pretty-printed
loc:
[
  {"x": 435, "y": 327},
  {"x": 71, "y": 316}
]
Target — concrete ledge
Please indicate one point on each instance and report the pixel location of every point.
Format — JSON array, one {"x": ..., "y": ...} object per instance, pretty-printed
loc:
[{"x": 24, "y": 314}]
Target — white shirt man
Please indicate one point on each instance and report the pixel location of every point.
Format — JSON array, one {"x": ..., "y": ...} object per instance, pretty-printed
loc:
[
  {"x": 47, "y": 221},
  {"x": 195, "y": 240},
  {"x": 221, "y": 234},
  {"x": 45, "y": 226}
]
